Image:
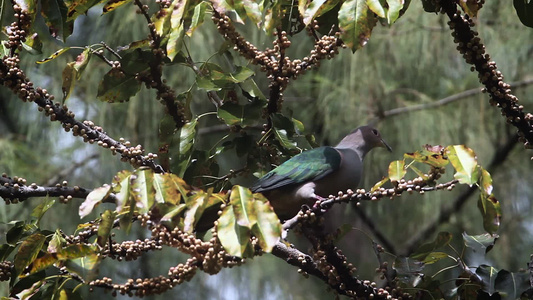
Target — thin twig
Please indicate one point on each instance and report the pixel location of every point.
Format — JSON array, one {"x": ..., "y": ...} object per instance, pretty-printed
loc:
[{"x": 444, "y": 101}]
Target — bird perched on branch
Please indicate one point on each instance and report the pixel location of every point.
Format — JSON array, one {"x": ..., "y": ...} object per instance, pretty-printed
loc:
[{"x": 317, "y": 173}]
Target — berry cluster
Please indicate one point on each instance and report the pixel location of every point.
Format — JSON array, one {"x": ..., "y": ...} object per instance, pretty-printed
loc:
[
  {"x": 278, "y": 67},
  {"x": 152, "y": 77},
  {"x": 6, "y": 268},
  {"x": 207, "y": 256},
  {"x": 334, "y": 267},
  {"x": 18, "y": 30},
  {"x": 130, "y": 250}
]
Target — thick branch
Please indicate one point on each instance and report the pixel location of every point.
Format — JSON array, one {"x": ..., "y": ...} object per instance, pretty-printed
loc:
[
  {"x": 473, "y": 51},
  {"x": 12, "y": 190},
  {"x": 306, "y": 265},
  {"x": 15, "y": 79}
]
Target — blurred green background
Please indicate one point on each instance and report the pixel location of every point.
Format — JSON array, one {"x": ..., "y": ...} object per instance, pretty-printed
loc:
[{"x": 413, "y": 62}]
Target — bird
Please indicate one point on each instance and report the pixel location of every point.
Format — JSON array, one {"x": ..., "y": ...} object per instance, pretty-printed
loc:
[{"x": 317, "y": 173}]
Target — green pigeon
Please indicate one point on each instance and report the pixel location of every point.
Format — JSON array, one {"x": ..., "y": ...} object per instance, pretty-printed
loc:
[{"x": 317, "y": 173}]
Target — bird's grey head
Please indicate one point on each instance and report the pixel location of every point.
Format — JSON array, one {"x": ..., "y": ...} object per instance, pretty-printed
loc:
[{"x": 363, "y": 139}]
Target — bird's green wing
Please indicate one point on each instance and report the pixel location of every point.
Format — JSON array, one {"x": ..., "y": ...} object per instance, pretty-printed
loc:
[{"x": 306, "y": 166}]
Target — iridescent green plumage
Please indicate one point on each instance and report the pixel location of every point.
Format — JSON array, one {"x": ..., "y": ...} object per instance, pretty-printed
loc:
[{"x": 306, "y": 166}]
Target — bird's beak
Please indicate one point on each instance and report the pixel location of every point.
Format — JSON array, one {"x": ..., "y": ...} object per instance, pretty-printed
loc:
[{"x": 385, "y": 145}]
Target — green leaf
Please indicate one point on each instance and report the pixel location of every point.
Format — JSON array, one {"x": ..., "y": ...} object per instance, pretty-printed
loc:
[
  {"x": 197, "y": 17},
  {"x": 282, "y": 137},
  {"x": 28, "y": 251},
  {"x": 213, "y": 78},
  {"x": 167, "y": 128},
  {"x": 118, "y": 179},
  {"x": 5, "y": 251},
  {"x": 408, "y": 270},
  {"x": 443, "y": 239},
  {"x": 524, "y": 10},
  {"x": 173, "y": 212},
  {"x": 395, "y": 6},
  {"x": 106, "y": 224},
  {"x": 40, "y": 209},
  {"x": 378, "y": 7},
  {"x": 53, "y": 56},
  {"x": 480, "y": 243},
  {"x": 134, "y": 60},
  {"x": 298, "y": 126},
  {"x": 175, "y": 41},
  {"x": 85, "y": 266},
  {"x": 161, "y": 21},
  {"x": 141, "y": 188},
  {"x": 93, "y": 199},
  {"x": 253, "y": 10},
  {"x": 241, "y": 199},
  {"x": 486, "y": 182},
  {"x": 14, "y": 234},
  {"x": 68, "y": 79},
  {"x": 241, "y": 74},
  {"x": 379, "y": 184},
  {"x": 273, "y": 16},
  {"x": 73, "y": 71},
  {"x": 113, "y": 4},
  {"x": 234, "y": 238},
  {"x": 314, "y": 9},
  {"x": 511, "y": 284},
  {"x": 33, "y": 44},
  {"x": 117, "y": 87},
  {"x": 244, "y": 115},
  {"x": 165, "y": 188},
  {"x": 428, "y": 157},
  {"x": 397, "y": 170},
  {"x": 491, "y": 212},
  {"x": 356, "y": 22},
  {"x": 180, "y": 21},
  {"x": 434, "y": 257},
  {"x": 56, "y": 242},
  {"x": 284, "y": 130},
  {"x": 54, "y": 13},
  {"x": 267, "y": 227},
  {"x": 196, "y": 205},
  {"x": 488, "y": 276},
  {"x": 185, "y": 142},
  {"x": 122, "y": 191},
  {"x": 69, "y": 252},
  {"x": 464, "y": 161},
  {"x": 470, "y": 7},
  {"x": 79, "y": 7},
  {"x": 418, "y": 172},
  {"x": 82, "y": 60},
  {"x": 249, "y": 87}
]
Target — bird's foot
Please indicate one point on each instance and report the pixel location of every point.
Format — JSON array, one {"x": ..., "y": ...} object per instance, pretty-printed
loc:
[{"x": 318, "y": 200}]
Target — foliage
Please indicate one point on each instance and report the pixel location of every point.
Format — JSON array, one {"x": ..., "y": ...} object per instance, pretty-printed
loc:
[{"x": 179, "y": 193}]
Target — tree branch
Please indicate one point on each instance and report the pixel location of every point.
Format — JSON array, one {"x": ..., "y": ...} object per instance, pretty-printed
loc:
[
  {"x": 473, "y": 51},
  {"x": 153, "y": 78},
  {"x": 444, "y": 101},
  {"x": 11, "y": 189}
]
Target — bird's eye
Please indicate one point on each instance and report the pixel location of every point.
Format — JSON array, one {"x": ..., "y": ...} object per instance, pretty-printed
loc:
[{"x": 375, "y": 131}]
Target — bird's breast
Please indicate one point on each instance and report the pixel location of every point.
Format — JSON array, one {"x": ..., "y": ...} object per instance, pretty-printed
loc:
[{"x": 347, "y": 176}]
